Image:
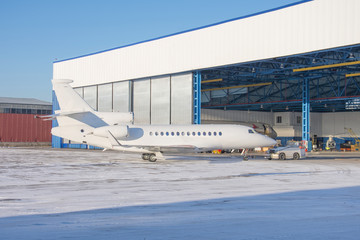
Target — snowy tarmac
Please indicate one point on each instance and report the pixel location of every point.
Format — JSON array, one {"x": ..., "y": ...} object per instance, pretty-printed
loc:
[{"x": 79, "y": 194}]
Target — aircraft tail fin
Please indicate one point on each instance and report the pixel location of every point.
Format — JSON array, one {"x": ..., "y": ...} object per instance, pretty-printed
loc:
[{"x": 69, "y": 100}]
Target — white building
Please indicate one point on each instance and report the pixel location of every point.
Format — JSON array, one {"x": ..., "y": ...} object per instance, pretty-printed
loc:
[{"x": 245, "y": 64}]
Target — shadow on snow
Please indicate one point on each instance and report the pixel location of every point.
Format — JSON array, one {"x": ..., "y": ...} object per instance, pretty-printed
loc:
[{"x": 312, "y": 214}]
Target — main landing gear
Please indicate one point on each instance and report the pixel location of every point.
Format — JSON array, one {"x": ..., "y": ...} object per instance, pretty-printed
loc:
[
  {"x": 151, "y": 157},
  {"x": 244, "y": 154}
]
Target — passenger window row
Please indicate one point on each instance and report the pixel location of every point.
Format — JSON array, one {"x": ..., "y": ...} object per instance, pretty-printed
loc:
[{"x": 185, "y": 134}]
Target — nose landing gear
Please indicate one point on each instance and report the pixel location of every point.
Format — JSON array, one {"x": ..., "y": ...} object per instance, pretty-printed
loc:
[{"x": 244, "y": 154}]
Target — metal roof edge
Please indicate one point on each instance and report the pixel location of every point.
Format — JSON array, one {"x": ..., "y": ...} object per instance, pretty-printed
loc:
[
  {"x": 189, "y": 30},
  {"x": 23, "y": 101}
]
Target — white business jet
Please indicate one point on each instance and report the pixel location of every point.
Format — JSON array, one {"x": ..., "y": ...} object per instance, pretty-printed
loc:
[{"x": 78, "y": 122}]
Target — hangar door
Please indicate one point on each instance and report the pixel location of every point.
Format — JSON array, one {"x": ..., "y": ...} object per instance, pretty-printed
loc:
[
  {"x": 158, "y": 100},
  {"x": 141, "y": 101},
  {"x": 163, "y": 100},
  {"x": 182, "y": 99}
]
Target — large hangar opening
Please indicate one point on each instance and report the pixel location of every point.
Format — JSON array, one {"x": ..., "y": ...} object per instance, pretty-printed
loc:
[
  {"x": 302, "y": 77},
  {"x": 273, "y": 91}
]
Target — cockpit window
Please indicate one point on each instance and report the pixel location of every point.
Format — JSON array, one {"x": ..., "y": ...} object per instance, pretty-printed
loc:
[{"x": 251, "y": 131}]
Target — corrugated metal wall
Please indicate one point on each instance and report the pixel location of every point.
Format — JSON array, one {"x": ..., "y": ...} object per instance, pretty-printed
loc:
[
  {"x": 157, "y": 100},
  {"x": 160, "y": 100},
  {"x": 241, "y": 116},
  {"x": 163, "y": 100},
  {"x": 122, "y": 96},
  {"x": 335, "y": 123},
  {"x": 182, "y": 99},
  {"x": 306, "y": 27},
  {"x": 322, "y": 124},
  {"x": 23, "y": 128},
  {"x": 142, "y": 101},
  {"x": 105, "y": 98}
]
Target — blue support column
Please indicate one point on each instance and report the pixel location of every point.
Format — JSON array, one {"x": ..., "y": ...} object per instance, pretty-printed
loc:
[
  {"x": 197, "y": 97},
  {"x": 306, "y": 114},
  {"x": 56, "y": 142}
]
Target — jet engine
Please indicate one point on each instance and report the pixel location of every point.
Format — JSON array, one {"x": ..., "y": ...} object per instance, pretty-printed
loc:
[{"x": 118, "y": 131}]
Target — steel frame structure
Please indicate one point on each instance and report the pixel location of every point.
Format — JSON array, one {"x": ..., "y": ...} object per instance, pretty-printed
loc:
[
  {"x": 197, "y": 96},
  {"x": 330, "y": 89},
  {"x": 322, "y": 81},
  {"x": 306, "y": 114}
]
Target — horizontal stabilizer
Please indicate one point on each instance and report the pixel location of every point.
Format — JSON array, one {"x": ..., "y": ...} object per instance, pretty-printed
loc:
[
  {"x": 88, "y": 118},
  {"x": 46, "y": 117}
]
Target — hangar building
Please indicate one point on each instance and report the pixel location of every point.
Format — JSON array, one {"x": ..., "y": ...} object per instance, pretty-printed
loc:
[{"x": 296, "y": 67}]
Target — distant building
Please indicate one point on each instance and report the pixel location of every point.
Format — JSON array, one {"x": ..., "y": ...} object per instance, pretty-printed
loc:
[{"x": 18, "y": 125}]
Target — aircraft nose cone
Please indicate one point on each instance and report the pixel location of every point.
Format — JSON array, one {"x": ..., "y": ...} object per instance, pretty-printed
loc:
[
  {"x": 268, "y": 141},
  {"x": 272, "y": 141}
]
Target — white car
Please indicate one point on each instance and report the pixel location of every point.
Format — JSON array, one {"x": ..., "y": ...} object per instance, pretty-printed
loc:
[{"x": 288, "y": 152}]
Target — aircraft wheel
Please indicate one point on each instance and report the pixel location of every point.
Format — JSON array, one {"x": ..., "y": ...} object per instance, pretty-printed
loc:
[
  {"x": 152, "y": 157},
  {"x": 296, "y": 156},
  {"x": 246, "y": 158},
  {"x": 269, "y": 158},
  {"x": 145, "y": 156},
  {"x": 282, "y": 156}
]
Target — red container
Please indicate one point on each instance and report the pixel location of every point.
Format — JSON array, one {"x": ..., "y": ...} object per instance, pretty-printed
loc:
[{"x": 23, "y": 128}]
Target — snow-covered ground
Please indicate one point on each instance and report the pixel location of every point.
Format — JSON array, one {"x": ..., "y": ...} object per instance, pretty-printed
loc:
[{"x": 79, "y": 194}]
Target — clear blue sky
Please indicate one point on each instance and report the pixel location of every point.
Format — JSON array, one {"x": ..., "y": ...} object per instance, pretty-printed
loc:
[{"x": 34, "y": 33}]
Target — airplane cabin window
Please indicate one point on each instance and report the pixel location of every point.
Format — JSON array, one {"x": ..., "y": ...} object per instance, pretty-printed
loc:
[
  {"x": 167, "y": 133},
  {"x": 156, "y": 133},
  {"x": 188, "y": 133},
  {"x": 172, "y": 134},
  {"x": 251, "y": 131},
  {"x": 150, "y": 133},
  {"x": 193, "y": 133},
  {"x": 209, "y": 133},
  {"x": 182, "y": 133},
  {"x": 220, "y": 133},
  {"x": 204, "y": 133},
  {"x": 162, "y": 133},
  {"x": 214, "y": 133},
  {"x": 177, "y": 134},
  {"x": 199, "y": 133}
]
